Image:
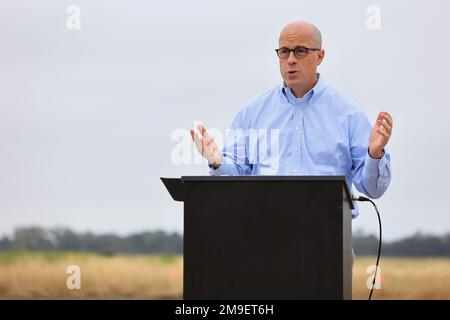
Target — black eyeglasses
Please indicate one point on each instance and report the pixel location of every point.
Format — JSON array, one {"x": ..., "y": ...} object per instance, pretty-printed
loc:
[{"x": 299, "y": 52}]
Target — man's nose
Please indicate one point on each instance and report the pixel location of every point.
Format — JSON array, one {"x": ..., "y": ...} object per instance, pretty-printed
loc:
[{"x": 292, "y": 59}]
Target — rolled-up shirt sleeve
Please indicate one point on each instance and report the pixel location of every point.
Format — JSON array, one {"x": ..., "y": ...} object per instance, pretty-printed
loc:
[
  {"x": 370, "y": 176},
  {"x": 376, "y": 175},
  {"x": 228, "y": 167}
]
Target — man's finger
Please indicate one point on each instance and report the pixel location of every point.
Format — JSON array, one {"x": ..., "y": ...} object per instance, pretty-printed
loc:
[
  {"x": 198, "y": 142},
  {"x": 203, "y": 131},
  {"x": 387, "y": 117},
  {"x": 194, "y": 135},
  {"x": 383, "y": 132},
  {"x": 385, "y": 124}
]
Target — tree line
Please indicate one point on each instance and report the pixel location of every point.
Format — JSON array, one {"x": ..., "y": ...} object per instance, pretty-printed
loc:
[
  {"x": 416, "y": 245},
  {"x": 36, "y": 238},
  {"x": 160, "y": 242}
]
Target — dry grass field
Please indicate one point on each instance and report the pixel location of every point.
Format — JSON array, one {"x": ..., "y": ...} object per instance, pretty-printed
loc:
[
  {"x": 405, "y": 278},
  {"x": 42, "y": 275}
]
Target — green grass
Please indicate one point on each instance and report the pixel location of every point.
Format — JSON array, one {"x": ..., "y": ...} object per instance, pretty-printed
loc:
[
  {"x": 164, "y": 258},
  {"x": 18, "y": 255}
]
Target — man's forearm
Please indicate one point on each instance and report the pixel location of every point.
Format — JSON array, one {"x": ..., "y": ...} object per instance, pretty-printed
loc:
[{"x": 376, "y": 176}]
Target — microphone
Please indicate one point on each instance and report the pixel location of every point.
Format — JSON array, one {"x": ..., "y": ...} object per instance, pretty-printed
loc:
[{"x": 359, "y": 198}]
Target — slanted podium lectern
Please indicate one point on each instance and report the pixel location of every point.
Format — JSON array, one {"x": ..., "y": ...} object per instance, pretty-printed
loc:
[{"x": 265, "y": 237}]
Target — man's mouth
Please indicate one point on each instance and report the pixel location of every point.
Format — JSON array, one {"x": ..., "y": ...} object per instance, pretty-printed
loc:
[{"x": 291, "y": 72}]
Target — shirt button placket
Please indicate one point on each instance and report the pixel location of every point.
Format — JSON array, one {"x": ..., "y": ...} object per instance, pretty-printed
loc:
[{"x": 296, "y": 141}]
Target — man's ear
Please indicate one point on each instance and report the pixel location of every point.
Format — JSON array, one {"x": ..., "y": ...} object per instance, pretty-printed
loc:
[{"x": 320, "y": 56}]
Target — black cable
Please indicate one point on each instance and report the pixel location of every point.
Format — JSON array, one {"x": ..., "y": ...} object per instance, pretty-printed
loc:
[{"x": 361, "y": 198}]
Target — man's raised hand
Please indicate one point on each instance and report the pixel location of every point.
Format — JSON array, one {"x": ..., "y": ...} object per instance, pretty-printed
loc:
[
  {"x": 380, "y": 134},
  {"x": 206, "y": 146}
]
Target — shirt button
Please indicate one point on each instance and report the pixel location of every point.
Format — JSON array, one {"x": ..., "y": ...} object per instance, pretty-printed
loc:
[
  {"x": 296, "y": 128},
  {"x": 296, "y": 149},
  {"x": 295, "y": 170}
]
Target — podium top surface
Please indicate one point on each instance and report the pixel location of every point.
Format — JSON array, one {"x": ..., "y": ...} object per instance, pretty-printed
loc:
[
  {"x": 264, "y": 178},
  {"x": 175, "y": 185}
]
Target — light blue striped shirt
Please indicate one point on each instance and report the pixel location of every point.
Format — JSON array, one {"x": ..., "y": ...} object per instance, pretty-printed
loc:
[{"x": 322, "y": 133}]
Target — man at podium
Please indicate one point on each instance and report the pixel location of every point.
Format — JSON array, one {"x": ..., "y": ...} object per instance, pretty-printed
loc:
[{"x": 303, "y": 126}]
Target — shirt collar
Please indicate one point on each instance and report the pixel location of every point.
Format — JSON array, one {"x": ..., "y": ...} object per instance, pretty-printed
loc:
[{"x": 318, "y": 87}]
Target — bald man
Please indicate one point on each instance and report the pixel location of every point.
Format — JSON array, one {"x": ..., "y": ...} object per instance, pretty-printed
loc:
[{"x": 313, "y": 128}]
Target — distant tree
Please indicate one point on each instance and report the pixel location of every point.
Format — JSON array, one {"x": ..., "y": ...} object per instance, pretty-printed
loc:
[
  {"x": 420, "y": 245},
  {"x": 67, "y": 239},
  {"x": 364, "y": 244},
  {"x": 33, "y": 238},
  {"x": 5, "y": 243}
]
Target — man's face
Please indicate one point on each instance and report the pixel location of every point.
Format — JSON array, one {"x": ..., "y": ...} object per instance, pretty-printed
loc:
[{"x": 296, "y": 72}]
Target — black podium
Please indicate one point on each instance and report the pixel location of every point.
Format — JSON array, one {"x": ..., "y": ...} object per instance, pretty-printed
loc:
[{"x": 265, "y": 237}]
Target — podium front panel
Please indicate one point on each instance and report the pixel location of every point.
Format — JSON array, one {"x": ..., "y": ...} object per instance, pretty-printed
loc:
[{"x": 266, "y": 240}]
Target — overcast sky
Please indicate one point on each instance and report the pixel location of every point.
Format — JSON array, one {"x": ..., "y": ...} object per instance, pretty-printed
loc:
[{"x": 86, "y": 116}]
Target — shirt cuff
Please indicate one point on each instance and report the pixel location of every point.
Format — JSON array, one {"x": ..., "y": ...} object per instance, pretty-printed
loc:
[
  {"x": 223, "y": 169},
  {"x": 374, "y": 166}
]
